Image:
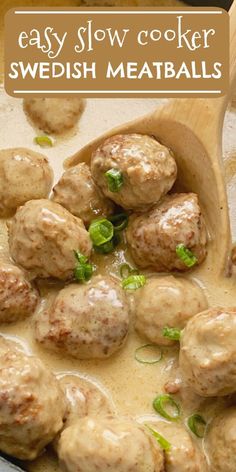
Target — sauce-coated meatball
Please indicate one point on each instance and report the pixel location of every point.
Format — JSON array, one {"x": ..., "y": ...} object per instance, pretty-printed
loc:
[
  {"x": 32, "y": 404},
  {"x": 86, "y": 321},
  {"x": 54, "y": 115},
  {"x": 220, "y": 442},
  {"x": 77, "y": 192},
  {"x": 184, "y": 454},
  {"x": 18, "y": 299},
  {"x": 43, "y": 236},
  {"x": 154, "y": 236},
  {"x": 109, "y": 445},
  {"x": 208, "y": 352},
  {"x": 84, "y": 398},
  {"x": 166, "y": 302},
  {"x": 148, "y": 169},
  {"x": 24, "y": 175}
]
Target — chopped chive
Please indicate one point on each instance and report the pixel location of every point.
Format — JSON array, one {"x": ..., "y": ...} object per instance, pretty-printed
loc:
[
  {"x": 165, "y": 445},
  {"x": 197, "y": 425},
  {"x": 142, "y": 354},
  {"x": 114, "y": 180},
  {"x": 119, "y": 221},
  {"x": 101, "y": 231},
  {"x": 126, "y": 270},
  {"x": 80, "y": 257},
  {"x": 82, "y": 271},
  {"x": 172, "y": 333},
  {"x": 108, "y": 247},
  {"x": 161, "y": 402},
  {"x": 43, "y": 141},
  {"x": 133, "y": 282},
  {"x": 186, "y": 256}
]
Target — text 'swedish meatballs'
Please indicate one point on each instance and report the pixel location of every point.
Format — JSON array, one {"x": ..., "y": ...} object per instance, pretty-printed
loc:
[
  {"x": 133, "y": 170},
  {"x": 43, "y": 236},
  {"x": 32, "y": 404},
  {"x": 77, "y": 192},
  {"x": 54, "y": 115},
  {"x": 166, "y": 302},
  {"x": 184, "y": 454},
  {"x": 109, "y": 445},
  {"x": 24, "y": 175},
  {"x": 18, "y": 299},
  {"x": 220, "y": 442},
  {"x": 154, "y": 237},
  {"x": 86, "y": 321},
  {"x": 208, "y": 352}
]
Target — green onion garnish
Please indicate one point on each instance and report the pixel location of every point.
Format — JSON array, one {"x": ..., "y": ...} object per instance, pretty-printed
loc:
[
  {"x": 101, "y": 231},
  {"x": 148, "y": 354},
  {"x": 172, "y": 333},
  {"x": 126, "y": 270},
  {"x": 43, "y": 141},
  {"x": 120, "y": 221},
  {"x": 186, "y": 256},
  {"x": 83, "y": 271},
  {"x": 133, "y": 282},
  {"x": 161, "y": 402},
  {"x": 114, "y": 180},
  {"x": 165, "y": 445},
  {"x": 197, "y": 425},
  {"x": 109, "y": 246}
]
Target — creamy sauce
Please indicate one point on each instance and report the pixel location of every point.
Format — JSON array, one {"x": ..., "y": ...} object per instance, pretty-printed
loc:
[{"x": 132, "y": 386}]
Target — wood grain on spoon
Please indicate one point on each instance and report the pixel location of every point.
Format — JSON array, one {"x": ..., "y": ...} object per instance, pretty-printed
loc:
[{"x": 192, "y": 128}]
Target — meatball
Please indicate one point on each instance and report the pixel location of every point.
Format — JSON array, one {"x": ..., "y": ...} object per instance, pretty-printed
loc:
[
  {"x": 184, "y": 454},
  {"x": 220, "y": 442},
  {"x": 32, "y": 405},
  {"x": 43, "y": 236},
  {"x": 24, "y": 175},
  {"x": 86, "y": 321},
  {"x": 148, "y": 169},
  {"x": 208, "y": 352},
  {"x": 77, "y": 192},
  {"x": 54, "y": 115},
  {"x": 109, "y": 444},
  {"x": 84, "y": 399},
  {"x": 18, "y": 299},
  {"x": 166, "y": 302},
  {"x": 154, "y": 236}
]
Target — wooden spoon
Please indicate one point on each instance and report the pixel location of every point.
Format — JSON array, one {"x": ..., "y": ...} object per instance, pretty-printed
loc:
[{"x": 192, "y": 128}]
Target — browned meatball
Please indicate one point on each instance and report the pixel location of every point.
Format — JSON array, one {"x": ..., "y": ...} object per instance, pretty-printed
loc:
[
  {"x": 109, "y": 445},
  {"x": 86, "y": 321},
  {"x": 77, "y": 192},
  {"x": 208, "y": 352},
  {"x": 166, "y": 302},
  {"x": 220, "y": 442},
  {"x": 18, "y": 299},
  {"x": 32, "y": 405},
  {"x": 154, "y": 236},
  {"x": 54, "y": 115},
  {"x": 24, "y": 175},
  {"x": 148, "y": 169},
  {"x": 43, "y": 236}
]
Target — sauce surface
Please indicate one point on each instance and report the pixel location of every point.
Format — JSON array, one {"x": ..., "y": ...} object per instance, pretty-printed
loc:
[{"x": 131, "y": 386}]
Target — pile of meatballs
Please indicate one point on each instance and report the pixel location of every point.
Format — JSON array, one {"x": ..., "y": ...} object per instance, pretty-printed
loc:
[{"x": 91, "y": 320}]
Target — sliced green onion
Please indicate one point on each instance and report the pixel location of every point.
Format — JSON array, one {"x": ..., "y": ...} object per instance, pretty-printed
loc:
[
  {"x": 197, "y": 425},
  {"x": 186, "y": 256},
  {"x": 133, "y": 282},
  {"x": 101, "y": 231},
  {"x": 120, "y": 221},
  {"x": 109, "y": 246},
  {"x": 165, "y": 445},
  {"x": 114, "y": 180},
  {"x": 80, "y": 257},
  {"x": 43, "y": 141},
  {"x": 148, "y": 354},
  {"x": 172, "y": 333},
  {"x": 161, "y": 402},
  {"x": 126, "y": 270},
  {"x": 83, "y": 272}
]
